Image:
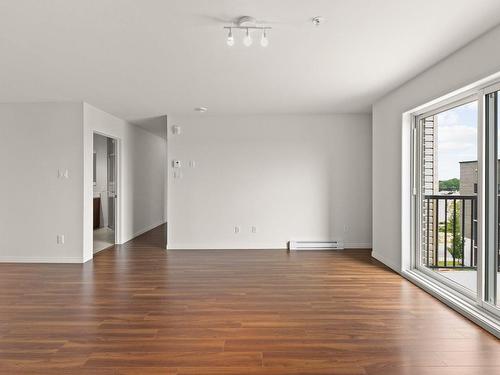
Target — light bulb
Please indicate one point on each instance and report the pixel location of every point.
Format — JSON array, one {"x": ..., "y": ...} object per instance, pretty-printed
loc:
[
  {"x": 264, "y": 42},
  {"x": 247, "y": 40},
  {"x": 230, "y": 38}
]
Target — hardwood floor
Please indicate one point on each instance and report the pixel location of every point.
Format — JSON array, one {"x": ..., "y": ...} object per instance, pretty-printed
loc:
[{"x": 137, "y": 309}]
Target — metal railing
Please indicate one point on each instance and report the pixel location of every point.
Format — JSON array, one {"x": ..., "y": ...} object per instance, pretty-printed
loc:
[{"x": 450, "y": 231}]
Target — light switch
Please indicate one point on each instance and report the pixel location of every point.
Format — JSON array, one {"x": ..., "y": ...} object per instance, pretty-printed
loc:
[{"x": 176, "y": 130}]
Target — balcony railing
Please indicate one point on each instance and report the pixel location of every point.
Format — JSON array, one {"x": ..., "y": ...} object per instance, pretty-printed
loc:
[{"x": 449, "y": 227}]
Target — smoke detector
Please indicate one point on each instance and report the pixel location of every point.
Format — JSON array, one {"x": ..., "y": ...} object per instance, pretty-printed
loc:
[{"x": 317, "y": 21}]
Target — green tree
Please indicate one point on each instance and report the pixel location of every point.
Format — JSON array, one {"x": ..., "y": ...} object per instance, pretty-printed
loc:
[
  {"x": 449, "y": 185},
  {"x": 453, "y": 227}
]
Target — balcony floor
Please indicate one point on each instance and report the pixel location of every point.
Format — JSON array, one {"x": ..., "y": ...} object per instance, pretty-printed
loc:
[{"x": 467, "y": 279}]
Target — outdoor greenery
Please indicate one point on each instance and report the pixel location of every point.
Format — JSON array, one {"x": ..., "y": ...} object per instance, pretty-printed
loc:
[
  {"x": 449, "y": 185},
  {"x": 454, "y": 244},
  {"x": 449, "y": 263}
]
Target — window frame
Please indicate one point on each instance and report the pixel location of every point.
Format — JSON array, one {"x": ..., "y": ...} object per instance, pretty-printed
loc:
[
  {"x": 416, "y": 248},
  {"x": 466, "y": 95}
]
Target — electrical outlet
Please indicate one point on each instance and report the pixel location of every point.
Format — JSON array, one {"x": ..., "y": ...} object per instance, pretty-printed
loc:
[
  {"x": 253, "y": 229},
  {"x": 60, "y": 239},
  {"x": 236, "y": 229},
  {"x": 192, "y": 164},
  {"x": 62, "y": 173},
  {"x": 346, "y": 228}
]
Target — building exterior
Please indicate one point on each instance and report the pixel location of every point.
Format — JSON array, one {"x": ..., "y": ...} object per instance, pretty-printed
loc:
[
  {"x": 468, "y": 177},
  {"x": 430, "y": 187}
]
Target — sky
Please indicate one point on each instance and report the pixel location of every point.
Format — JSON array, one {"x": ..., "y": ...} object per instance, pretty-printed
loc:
[{"x": 457, "y": 139}]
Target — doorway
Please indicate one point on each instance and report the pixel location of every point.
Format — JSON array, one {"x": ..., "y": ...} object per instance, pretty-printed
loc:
[
  {"x": 456, "y": 197},
  {"x": 448, "y": 192},
  {"x": 104, "y": 192}
]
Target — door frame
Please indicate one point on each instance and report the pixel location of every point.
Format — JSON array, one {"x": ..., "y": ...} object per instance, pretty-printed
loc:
[
  {"x": 476, "y": 308},
  {"x": 416, "y": 211},
  {"x": 491, "y": 231},
  {"x": 118, "y": 182}
]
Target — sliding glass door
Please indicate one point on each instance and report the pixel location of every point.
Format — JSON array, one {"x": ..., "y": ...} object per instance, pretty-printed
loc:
[
  {"x": 447, "y": 194},
  {"x": 457, "y": 196},
  {"x": 492, "y": 201}
]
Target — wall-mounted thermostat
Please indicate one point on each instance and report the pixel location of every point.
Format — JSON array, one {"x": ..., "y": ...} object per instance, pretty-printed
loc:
[{"x": 176, "y": 163}]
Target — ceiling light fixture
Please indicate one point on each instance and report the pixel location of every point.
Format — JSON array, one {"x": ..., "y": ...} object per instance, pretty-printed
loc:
[
  {"x": 264, "y": 42},
  {"x": 230, "y": 38},
  {"x": 247, "y": 40},
  {"x": 248, "y": 24}
]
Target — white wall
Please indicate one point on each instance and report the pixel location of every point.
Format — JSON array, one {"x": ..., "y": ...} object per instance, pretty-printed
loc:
[
  {"x": 36, "y": 140},
  {"x": 141, "y": 171},
  {"x": 101, "y": 185},
  {"x": 472, "y": 63},
  {"x": 293, "y": 177}
]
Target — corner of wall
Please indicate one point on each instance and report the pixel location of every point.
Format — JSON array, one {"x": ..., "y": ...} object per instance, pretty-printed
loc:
[{"x": 388, "y": 262}]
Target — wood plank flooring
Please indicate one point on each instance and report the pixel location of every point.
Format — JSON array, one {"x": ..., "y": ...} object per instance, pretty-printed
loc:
[{"x": 137, "y": 309}]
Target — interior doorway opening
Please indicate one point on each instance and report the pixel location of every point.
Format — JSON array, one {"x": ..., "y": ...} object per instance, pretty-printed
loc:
[{"x": 104, "y": 192}]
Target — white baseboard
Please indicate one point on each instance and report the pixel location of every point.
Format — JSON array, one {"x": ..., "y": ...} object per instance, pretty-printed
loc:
[
  {"x": 198, "y": 247},
  {"x": 357, "y": 245},
  {"x": 387, "y": 262},
  {"x": 252, "y": 246},
  {"x": 13, "y": 259},
  {"x": 144, "y": 230}
]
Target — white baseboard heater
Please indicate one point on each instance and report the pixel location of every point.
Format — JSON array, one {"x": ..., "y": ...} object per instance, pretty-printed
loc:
[{"x": 315, "y": 245}]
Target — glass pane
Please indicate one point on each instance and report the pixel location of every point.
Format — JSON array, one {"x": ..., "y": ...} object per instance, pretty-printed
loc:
[
  {"x": 493, "y": 249},
  {"x": 497, "y": 252},
  {"x": 448, "y": 199}
]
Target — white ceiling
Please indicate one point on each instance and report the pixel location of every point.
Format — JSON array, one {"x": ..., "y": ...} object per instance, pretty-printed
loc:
[{"x": 140, "y": 59}]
